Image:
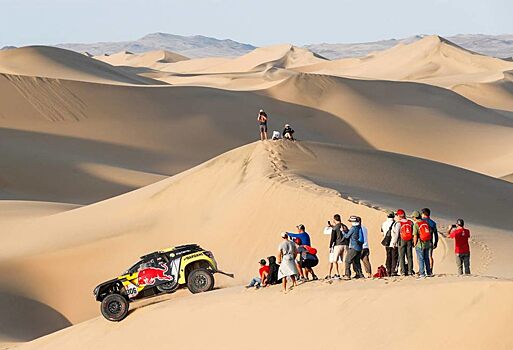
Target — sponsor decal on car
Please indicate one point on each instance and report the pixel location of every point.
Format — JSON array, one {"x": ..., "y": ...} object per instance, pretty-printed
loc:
[{"x": 150, "y": 275}]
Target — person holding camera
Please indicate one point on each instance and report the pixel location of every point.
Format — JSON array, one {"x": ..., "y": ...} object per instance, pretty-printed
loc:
[{"x": 461, "y": 235}]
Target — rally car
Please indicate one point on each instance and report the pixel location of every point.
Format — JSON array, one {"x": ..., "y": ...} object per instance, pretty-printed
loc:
[{"x": 156, "y": 273}]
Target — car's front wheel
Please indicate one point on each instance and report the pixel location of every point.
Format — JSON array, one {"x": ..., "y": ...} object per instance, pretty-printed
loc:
[
  {"x": 200, "y": 280},
  {"x": 114, "y": 307}
]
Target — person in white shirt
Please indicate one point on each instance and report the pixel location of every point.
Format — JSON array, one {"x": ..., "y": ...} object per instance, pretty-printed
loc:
[
  {"x": 366, "y": 253},
  {"x": 391, "y": 229}
]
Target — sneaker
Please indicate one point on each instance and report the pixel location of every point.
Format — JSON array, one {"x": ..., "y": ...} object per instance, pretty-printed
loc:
[
  {"x": 421, "y": 277},
  {"x": 346, "y": 278},
  {"x": 328, "y": 277},
  {"x": 336, "y": 277},
  {"x": 315, "y": 278}
]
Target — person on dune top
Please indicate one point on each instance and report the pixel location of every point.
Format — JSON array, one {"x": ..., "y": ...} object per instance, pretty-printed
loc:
[
  {"x": 288, "y": 132},
  {"x": 262, "y": 121}
]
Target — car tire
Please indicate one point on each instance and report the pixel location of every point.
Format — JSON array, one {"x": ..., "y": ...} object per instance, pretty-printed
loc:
[
  {"x": 200, "y": 280},
  {"x": 114, "y": 307}
]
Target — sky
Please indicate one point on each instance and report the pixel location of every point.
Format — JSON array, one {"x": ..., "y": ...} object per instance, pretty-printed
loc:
[{"x": 261, "y": 22}]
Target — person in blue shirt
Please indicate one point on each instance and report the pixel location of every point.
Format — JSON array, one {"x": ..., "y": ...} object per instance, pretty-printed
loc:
[
  {"x": 356, "y": 241},
  {"x": 426, "y": 216},
  {"x": 302, "y": 235}
]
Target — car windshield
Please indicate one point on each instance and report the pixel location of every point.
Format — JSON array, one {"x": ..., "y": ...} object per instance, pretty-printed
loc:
[{"x": 134, "y": 268}]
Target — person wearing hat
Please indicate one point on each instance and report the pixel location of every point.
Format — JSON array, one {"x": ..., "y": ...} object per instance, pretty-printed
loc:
[
  {"x": 287, "y": 252},
  {"x": 390, "y": 242},
  {"x": 301, "y": 234},
  {"x": 426, "y": 216},
  {"x": 422, "y": 235},
  {"x": 404, "y": 229},
  {"x": 356, "y": 241},
  {"x": 288, "y": 132},
  {"x": 262, "y": 121},
  {"x": 461, "y": 235},
  {"x": 263, "y": 272}
]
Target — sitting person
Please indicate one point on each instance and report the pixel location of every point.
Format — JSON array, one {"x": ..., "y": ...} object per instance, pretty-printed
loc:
[
  {"x": 276, "y": 135},
  {"x": 288, "y": 132},
  {"x": 272, "y": 277},
  {"x": 261, "y": 281}
]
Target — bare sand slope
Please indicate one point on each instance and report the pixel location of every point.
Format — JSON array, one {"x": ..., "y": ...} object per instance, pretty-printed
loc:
[
  {"x": 497, "y": 94},
  {"x": 236, "y": 205},
  {"x": 410, "y": 118},
  {"x": 52, "y": 62},
  {"x": 150, "y": 59},
  {"x": 378, "y": 311},
  {"x": 112, "y": 139},
  {"x": 432, "y": 59}
]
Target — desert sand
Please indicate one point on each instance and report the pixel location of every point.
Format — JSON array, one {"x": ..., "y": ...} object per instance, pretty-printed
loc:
[{"x": 105, "y": 161}]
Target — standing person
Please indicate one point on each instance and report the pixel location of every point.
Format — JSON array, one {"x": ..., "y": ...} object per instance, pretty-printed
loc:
[
  {"x": 288, "y": 132},
  {"x": 301, "y": 234},
  {"x": 356, "y": 240},
  {"x": 261, "y": 281},
  {"x": 338, "y": 245},
  {"x": 262, "y": 120},
  {"x": 422, "y": 243},
  {"x": 405, "y": 228},
  {"x": 461, "y": 236},
  {"x": 365, "y": 251},
  {"x": 390, "y": 239},
  {"x": 426, "y": 216},
  {"x": 287, "y": 259}
]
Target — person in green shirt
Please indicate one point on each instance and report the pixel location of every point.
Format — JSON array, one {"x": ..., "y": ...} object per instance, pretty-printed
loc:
[{"x": 422, "y": 242}]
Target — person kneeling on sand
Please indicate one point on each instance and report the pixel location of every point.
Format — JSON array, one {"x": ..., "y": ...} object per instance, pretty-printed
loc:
[
  {"x": 272, "y": 277},
  {"x": 422, "y": 243},
  {"x": 461, "y": 236},
  {"x": 356, "y": 241},
  {"x": 261, "y": 281},
  {"x": 288, "y": 132},
  {"x": 287, "y": 259}
]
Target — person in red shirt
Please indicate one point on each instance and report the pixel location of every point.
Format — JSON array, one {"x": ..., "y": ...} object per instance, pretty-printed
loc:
[
  {"x": 263, "y": 272},
  {"x": 461, "y": 236}
]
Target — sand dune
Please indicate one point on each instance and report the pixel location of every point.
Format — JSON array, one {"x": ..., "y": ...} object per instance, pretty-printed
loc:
[
  {"x": 239, "y": 314},
  {"x": 51, "y": 62},
  {"x": 377, "y": 110},
  {"x": 497, "y": 94},
  {"x": 215, "y": 204},
  {"x": 151, "y": 59},
  {"x": 432, "y": 59}
]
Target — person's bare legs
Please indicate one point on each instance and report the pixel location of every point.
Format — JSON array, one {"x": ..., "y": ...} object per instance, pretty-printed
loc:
[
  {"x": 300, "y": 270},
  {"x": 284, "y": 283},
  {"x": 293, "y": 278},
  {"x": 330, "y": 269},
  {"x": 262, "y": 136},
  {"x": 265, "y": 135}
]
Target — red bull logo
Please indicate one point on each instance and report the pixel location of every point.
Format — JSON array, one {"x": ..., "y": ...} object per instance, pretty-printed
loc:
[{"x": 150, "y": 275}]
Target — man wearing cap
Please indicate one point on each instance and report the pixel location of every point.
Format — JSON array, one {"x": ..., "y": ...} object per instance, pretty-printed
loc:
[
  {"x": 263, "y": 272},
  {"x": 404, "y": 229},
  {"x": 262, "y": 121},
  {"x": 287, "y": 252},
  {"x": 422, "y": 243},
  {"x": 461, "y": 235},
  {"x": 302, "y": 235},
  {"x": 356, "y": 241}
]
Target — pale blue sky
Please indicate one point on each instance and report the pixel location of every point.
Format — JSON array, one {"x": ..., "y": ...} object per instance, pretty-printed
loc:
[{"x": 258, "y": 22}]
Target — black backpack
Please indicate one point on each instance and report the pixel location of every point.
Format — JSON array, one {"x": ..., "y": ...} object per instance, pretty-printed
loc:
[
  {"x": 272, "y": 278},
  {"x": 388, "y": 236}
]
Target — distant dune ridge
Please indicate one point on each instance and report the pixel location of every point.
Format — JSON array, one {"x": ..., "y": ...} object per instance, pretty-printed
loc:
[{"x": 107, "y": 157}]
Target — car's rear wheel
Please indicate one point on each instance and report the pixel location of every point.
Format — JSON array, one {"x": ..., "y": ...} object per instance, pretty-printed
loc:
[
  {"x": 200, "y": 280},
  {"x": 114, "y": 307}
]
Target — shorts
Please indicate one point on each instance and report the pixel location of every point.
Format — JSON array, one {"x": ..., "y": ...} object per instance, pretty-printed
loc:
[
  {"x": 337, "y": 254},
  {"x": 309, "y": 263},
  {"x": 263, "y": 127}
]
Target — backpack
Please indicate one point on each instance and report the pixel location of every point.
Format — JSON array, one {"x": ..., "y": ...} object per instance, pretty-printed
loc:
[
  {"x": 310, "y": 250},
  {"x": 406, "y": 230},
  {"x": 361, "y": 237},
  {"x": 382, "y": 272},
  {"x": 424, "y": 231},
  {"x": 388, "y": 236}
]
